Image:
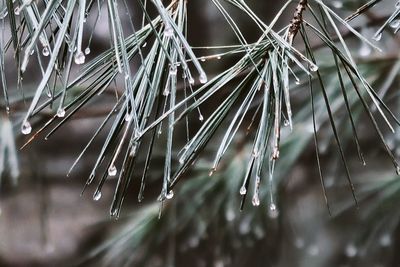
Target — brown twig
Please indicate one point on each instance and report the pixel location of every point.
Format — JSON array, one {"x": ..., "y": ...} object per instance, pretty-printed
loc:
[{"x": 297, "y": 19}]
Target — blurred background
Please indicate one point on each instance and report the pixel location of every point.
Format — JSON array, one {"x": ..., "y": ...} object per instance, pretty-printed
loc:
[{"x": 45, "y": 221}]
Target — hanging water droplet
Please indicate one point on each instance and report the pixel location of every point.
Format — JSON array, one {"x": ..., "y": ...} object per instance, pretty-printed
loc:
[
  {"x": 203, "y": 78},
  {"x": 114, "y": 213},
  {"x": 191, "y": 80},
  {"x": 218, "y": 57},
  {"x": 168, "y": 31},
  {"x": 87, "y": 50},
  {"x": 26, "y": 128},
  {"x": 79, "y": 58},
  {"x": 173, "y": 70},
  {"x": 201, "y": 118},
  {"x": 273, "y": 211},
  {"x": 170, "y": 194},
  {"x": 17, "y": 11},
  {"x": 60, "y": 112},
  {"x": 313, "y": 68},
  {"x": 97, "y": 196},
  {"x": 297, "y": 81},
  {"x": 202, "y": 59},
  {"x": 256, "y": 200},
  {"x": 128, "y": 117},
  {"x": 377, "y": 37},
  {"x": 166, "y": 91},
  {"x": 45, "y": 51},
  {"x": 395, "y": 23},
  {"x": 144, "y": 44},
  {"x": 112, "y": 170},
  {"x": 243, "y": 190},
  {"x": 351, "y": 251},
  {"x": 286, "y": 123}
]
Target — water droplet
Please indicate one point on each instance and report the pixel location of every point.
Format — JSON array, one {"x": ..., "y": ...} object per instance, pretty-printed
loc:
[
  {"x": 173, "y": 70},
  {"x": 26, "y": 128},
  {"x": 87, "y": 50},
  {"x": 17, "y": 11},
  {"x": 128, "y": 117},
  {"x": 45, "y": 51},
  {"x": 273, "y": 211},
  {"x": 144, "y": 44},
  {"x": 79, "y": 58},
  {"x": 297, "y": 81},
  {"x": 313, "y": 68},
  {"x": 166, "y": 91},
  {"x": 61, "y": 112},
  {"x": 191, "y": 80},
  {"x": 168, "y": 31},
  {"x": 170, "y": 195},
  {"x": 218, "y": 57},
  {"x": 256, "y": 200},
  {"x": 112, "y": 170},
  {"x": 286, "y": 123},
  {"x": 243, "y": 190},
  {"x": 32, "y": 52},
  {"x": 203, "y": 78},
  {"x": 385, "y": 240},
  {"x": 201, "y": 118},
  {"x": 377, "y": 37},
  {"x": 97, "y": 196},
  {"x": 203, "y": 59},
  {"x": 395, "y": 23},
  {"x": 351, "y": 251}
]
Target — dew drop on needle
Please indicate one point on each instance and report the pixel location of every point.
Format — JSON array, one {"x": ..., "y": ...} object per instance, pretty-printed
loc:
[
  {"x": 45, "y": 51},
  {"x": 112, "y": 170},
  {"x": 79, "y": 58},
  {"x": 26, "y": 128},
  {"x": 170, "y": 195},
  {"x": 97, "y": 196}
]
